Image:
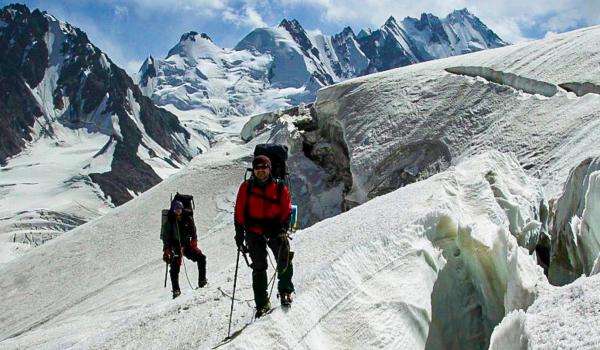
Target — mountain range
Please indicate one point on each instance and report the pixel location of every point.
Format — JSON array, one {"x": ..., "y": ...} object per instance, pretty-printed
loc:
[
  {"x": 79, "y": 136},
  {"x": 77, "y": 133},
  {"x": 210, "y": 87},
  {"x": 473, "y": 183}
]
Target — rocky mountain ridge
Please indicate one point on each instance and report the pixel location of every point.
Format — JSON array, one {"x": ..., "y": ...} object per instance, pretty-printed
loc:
[
  {"x": 276, "y": 68},
  {"x": 65, "y": 102}
]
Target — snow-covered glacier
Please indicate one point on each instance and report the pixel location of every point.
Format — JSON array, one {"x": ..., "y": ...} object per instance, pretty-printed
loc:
[{"x": 435, "y": 227}]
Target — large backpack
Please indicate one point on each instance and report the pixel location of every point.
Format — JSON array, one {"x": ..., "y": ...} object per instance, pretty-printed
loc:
[{"x": 278, "y": 155}]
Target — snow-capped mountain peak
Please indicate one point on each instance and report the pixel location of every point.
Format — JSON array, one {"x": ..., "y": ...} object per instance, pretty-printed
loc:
[
  {"x": 299, "y": 35},
  {"x": 286, "y": 65},
  {"x": 195, "y": 46},
  {"x": 67, "y": 98},
  {"x": 390, "y": 23}
]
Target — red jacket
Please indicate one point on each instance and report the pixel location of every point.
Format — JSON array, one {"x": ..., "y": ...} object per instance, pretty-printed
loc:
[{"x": 260, "y": 211}]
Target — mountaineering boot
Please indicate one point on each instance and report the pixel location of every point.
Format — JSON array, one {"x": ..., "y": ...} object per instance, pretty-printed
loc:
[
  {"x": 286, "y": 298},
  {"x": 259, "y": 287},
  {"x": 176, "y": 293},
  {"x": 262, "y": 310},
  {"x": 202, "y": 271}
]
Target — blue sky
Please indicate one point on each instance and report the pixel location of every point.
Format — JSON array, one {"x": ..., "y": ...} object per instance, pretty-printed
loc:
[{"x": 130, "y": 30}]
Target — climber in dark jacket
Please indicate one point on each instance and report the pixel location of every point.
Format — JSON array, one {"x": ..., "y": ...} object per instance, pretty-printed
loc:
[{"x": 179, "y": 238}]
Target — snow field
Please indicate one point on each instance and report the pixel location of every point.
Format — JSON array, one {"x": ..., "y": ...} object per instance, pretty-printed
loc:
[
  {"x": 564, "y": 318},
  {"x": 370, "y": 271},
  {"x": 435, "y": 262}
]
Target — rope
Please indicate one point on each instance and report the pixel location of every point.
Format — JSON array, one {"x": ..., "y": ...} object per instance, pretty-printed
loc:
[
  {"x": 186, "y": 274},
  {"x": 272, "y": 284},
  {"x": 272, "y": 281}
]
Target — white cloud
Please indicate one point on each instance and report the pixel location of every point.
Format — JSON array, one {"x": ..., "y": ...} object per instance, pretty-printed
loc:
[
  {"x": 179, "y": 4},
  {"x": 132, "y": 67},
  {"x": 314, "y": 32},
  {"x": 247, "y": 17},
  {"x": 121, "y": 11}
]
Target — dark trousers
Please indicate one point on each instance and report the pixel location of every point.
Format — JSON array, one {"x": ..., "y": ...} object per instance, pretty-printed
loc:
[
  {"x": 192, "y": 254},
  {"x": 257, "y": 246}
]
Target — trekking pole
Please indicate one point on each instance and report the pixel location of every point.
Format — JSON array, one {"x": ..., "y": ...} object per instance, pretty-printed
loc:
[
  {"x": 166, "y": 272},
  {"x": 237, "y": 261}
]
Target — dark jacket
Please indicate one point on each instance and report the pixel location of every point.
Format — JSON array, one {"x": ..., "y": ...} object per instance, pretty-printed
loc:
[
  {"x": 177, "y": 233},
  {"x": 263, "y": 208}
]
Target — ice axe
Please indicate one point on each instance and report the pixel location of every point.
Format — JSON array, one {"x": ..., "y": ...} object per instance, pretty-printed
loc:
[
  {"x": 237, "y": 261},
  {"x": 166, "y": 272}
]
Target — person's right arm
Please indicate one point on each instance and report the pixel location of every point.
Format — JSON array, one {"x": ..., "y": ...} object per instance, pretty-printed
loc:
[
  {"x": 240, "y": 205},
  {"x": 239, "y": 216}
]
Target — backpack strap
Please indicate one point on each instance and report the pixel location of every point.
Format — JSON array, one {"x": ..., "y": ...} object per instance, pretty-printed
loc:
[{"x": 280, "y": 185}]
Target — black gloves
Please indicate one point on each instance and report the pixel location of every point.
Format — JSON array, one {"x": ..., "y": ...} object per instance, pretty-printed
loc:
[{"x": 239, "y": 238}]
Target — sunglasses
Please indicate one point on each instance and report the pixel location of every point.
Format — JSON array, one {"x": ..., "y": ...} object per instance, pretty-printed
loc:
[{"x": 261, "y": 166}]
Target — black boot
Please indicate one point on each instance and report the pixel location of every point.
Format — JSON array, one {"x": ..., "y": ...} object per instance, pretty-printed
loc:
[
  {"x": 286, "y": 298},
  {"x": 202, "y": 271},
  {"x": 262, "y": 310},
  {"x": 175, "y": 282}
]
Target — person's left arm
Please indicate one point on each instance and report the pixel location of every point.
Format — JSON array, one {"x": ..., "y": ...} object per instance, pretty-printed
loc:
[{"x": 193, "y": 233}]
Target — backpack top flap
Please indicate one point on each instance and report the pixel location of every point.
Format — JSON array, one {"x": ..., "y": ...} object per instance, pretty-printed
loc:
[{"x": 186, "y": 199}]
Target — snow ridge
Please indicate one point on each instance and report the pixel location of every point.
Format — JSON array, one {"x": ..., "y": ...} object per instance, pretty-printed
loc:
[
  {"x": 528, "y": 85},
  {"x": 581, "y": 89}
]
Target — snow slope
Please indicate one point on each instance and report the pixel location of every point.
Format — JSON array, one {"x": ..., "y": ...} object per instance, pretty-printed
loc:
[
  {"x": 566, "y": 318},
  {"x": 81, "y": 137},
  {"x": 369, "y": 270},
  {"x": 433, "y": 118},
  {"x": 434, "y": 262}
]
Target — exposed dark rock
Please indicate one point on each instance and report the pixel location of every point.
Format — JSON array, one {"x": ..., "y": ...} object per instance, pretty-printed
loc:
[
  {"x": 434, "y": 25},
  {"x": 18, "y": 110},
  {"x": 96, "y": 90},
  {"x": 23, "y": 60}
]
